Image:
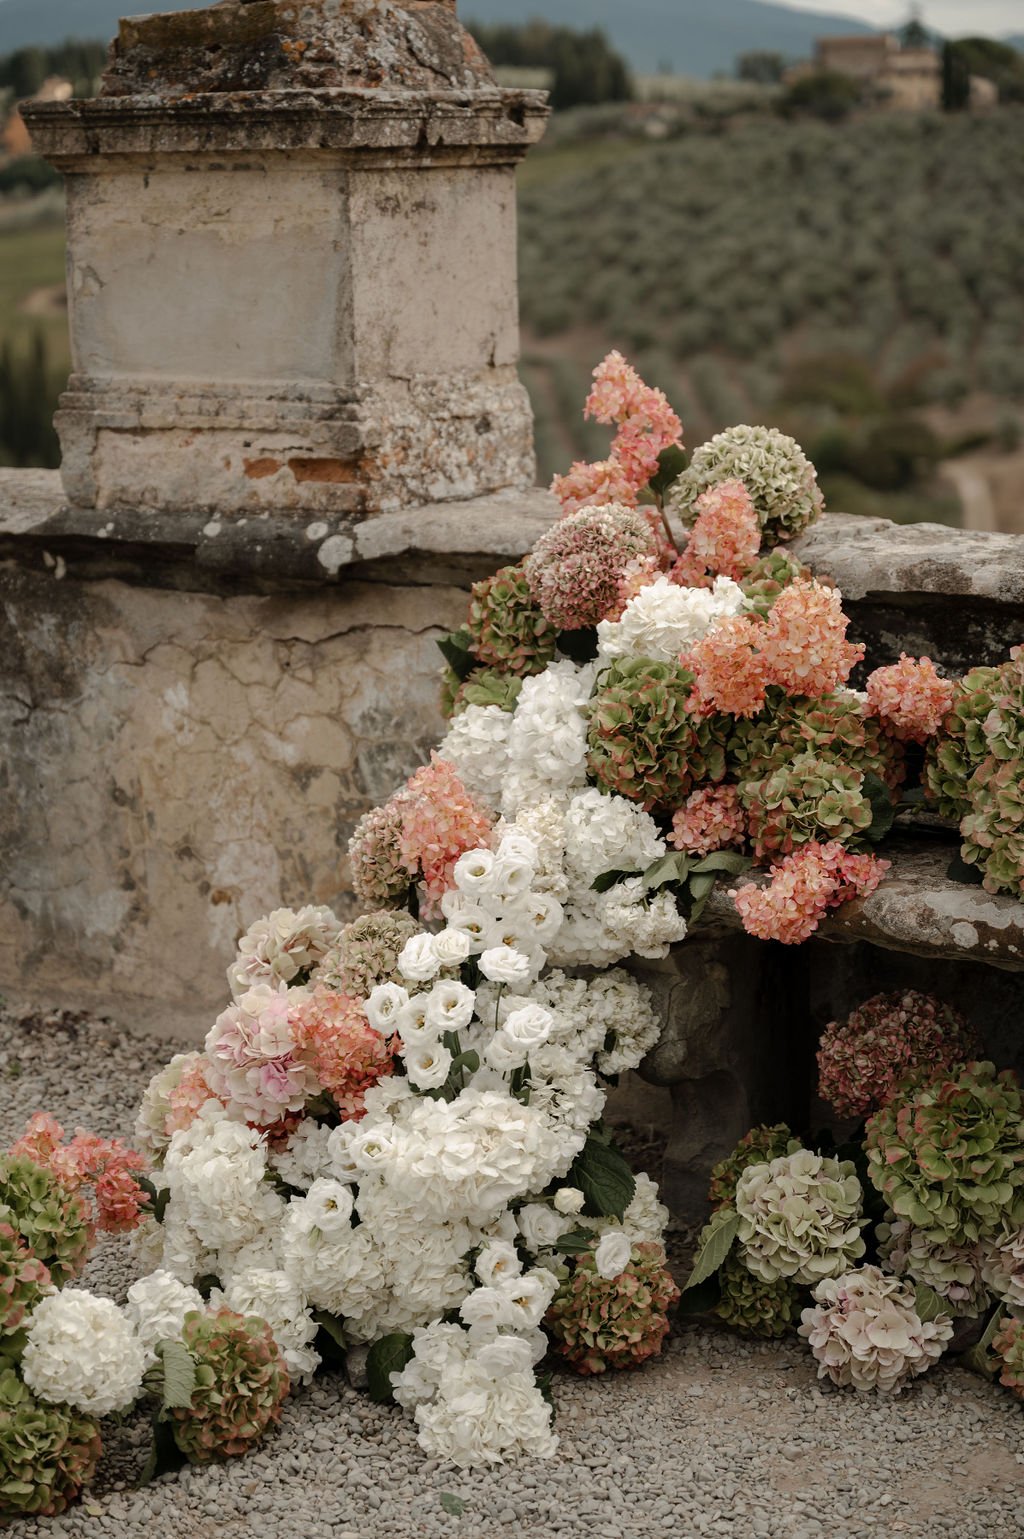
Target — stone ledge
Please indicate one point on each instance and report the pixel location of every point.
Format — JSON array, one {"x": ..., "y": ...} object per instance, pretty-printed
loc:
[
  {"x": 868, "y": 557},
  {"x": 918, "y": 909}
]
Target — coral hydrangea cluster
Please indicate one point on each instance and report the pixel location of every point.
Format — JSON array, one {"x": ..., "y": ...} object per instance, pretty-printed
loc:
[
  {"x": 711, "y": 818},
  {"x": 862, "y": 1059},
  {"x": 801, "y": 889},
  {"x": 725, "y": 538},
  {"x": 910, "y": 698},
  {"x": 646, "y": 425},
  {"x": 865, "y": 1332}
]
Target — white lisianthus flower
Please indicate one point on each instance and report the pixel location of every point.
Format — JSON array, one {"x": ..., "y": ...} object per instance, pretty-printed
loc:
[
  {"x": 488, "y": 1309},
  {"x": 371, "y": 1148},
  {"x": 157, "y": 1306},
  {"x": 540, "y": 1226},
  {"x": 83, "y": 1351},
  {"x": 471, "y": 919},
  {"x": 528, "y": 1027},
  {"x": 503, "y": 964},
  {"x": 612, "y": 1254},
  {"x": 473, "y": 873},
  {"x": 383, "y": 1006},
  {"x": 496, "y": 1262},
  {"x": 427, "y": 1067},
  {"x": 540, "y": 917},
  {"x": 518, "y": 846},
  {"x": 449, "y": 1007},
  {"x": 511, "y": 878},
  {"x": 452, "y": 946},
  {"x": 530, "y": 1296},
  {"x": 418, "y": 960},
  {"x": 569, "y": 1200},
  {"x": 329, "y": 1207}
]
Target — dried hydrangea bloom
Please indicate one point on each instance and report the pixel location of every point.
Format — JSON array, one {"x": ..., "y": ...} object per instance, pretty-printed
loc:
[
  {"x": 508, "y": 631},
  {"x": 598, "y": 1323},
  {"x": 952, "y": 1271},
  {"x": 726, "y": 534},
  {"x": 241, "y": 1384},
  {"x": 947, "y": 1152},
  {"x": 961, "y": 746},
  {"x": 1008, "y": 1347},
  {"x": 576, "y": 569},
  {"x": 366, "y": 953},
  {"x": 804, "y": 642},
  {"x": 379, "y": 873},
  {"x": 344, "y": 1051},
  {"x": 24, "y": 1280},
  {"x": 865, "y": 1332},
  {"x": 862, "y": 1059},
  {"x": 48, "y": 1453},
  {"x": 729, "y": 668},
  {"x": 778, "y": 475},
  {"x": 910, "y": 698},
  {"x": 805, "y": 800},
  {"x": 802, "y": 888},
  {"x": 710, "y": 819},
  {"x": 283, "y": 947},
  {"x": 800, "y": 1217}
]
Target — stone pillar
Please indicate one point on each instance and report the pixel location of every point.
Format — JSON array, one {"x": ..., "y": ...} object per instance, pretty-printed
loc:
[{"x": 292, "y": 263}]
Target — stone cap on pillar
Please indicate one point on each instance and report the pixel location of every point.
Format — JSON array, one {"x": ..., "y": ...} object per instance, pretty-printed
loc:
[{"x": 292, "y": 263}]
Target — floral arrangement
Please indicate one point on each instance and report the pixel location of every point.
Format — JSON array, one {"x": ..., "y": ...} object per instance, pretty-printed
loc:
[{"x": 392, "y": 1138}]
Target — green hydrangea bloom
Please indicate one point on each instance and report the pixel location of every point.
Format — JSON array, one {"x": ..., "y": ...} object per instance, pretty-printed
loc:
[
  {"x": 955, "y": 753},
  {"x": 755, "y": 1307},
  {"x": 48, "y": 1453},
  {"x": 806, "y": 799},
  {"x": 23, "y": 1282},
  {"x": 772, "y": 572},
  {"x": 833, "y": 727},
  {"x": 509, "y": 631},
  {"x": 52, "y": 1220},
  {"x": 947, "y": 1152},
  {"x": 599, "y": 1323},
  {"x": 775, "y": 470},
  {"x": 1008, "y": 1347},
  {"x": 241, "y": 1382},
  {"x": 484, "y": 686},
  {"x": 992, "y": 828}
]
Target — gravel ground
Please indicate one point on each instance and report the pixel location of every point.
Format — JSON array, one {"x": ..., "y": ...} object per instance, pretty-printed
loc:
[{"x": 719, "y": 1436}]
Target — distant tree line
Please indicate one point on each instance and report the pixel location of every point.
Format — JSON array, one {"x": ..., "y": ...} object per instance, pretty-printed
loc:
[
  {"x": 24, "y": 71},
  {"x": 28, "y": 400},
  {"x": 585, "y": 67}
]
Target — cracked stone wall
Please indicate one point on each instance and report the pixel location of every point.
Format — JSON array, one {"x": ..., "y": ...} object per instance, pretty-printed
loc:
[{"x": 178, "y": 763}]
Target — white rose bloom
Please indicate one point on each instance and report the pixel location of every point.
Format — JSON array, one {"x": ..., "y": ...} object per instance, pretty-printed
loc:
[
  {"x": 372, "y": 1149},
  {"x": 612, "y": 1254},
  {"x": 427, "y": 1067},
  {"x": 329, "y": 1207},
  {"x": 505, "y": 1355},
  {"x": 497, "y": 1261},
  {"x": 385, "y": 1003},
  {"x": 503, "y": 964},
  {"x": 473, "y": 873},
  {"x": 664, "y": 619},
  {"x": 157, "y": 1306},
  {"x": 540, "y": 1226},
  {"x": 452, "y": 946},
  {"x": 449, "y": 1007},
  {"x": 418, "y": 960},
  {"x": 83, "y": 1351},
  {"x": 569, "y": 1200},
  {"x": 528, "y": 1027}
]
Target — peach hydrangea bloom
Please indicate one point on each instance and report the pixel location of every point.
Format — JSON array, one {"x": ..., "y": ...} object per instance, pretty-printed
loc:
[
  {"x": 910, "y": 698},
  {"x": 729, "y": 668},
  {"x": 440, "y": 822},
  {"x": 346, "y": 1053},
  {"x": 726, "y": 536},
  {"x": 189, "y": 1095},
  {"x": 106, "y": 1164},
  {"x": 617, "y": 393},
  {"x": 804, "y": 640},
  {"x": 803, "y": 887},
  {"x": 646, "y": 425},
  {"x": 594, "y": 485},
  {"x": 711, "y": 818}
]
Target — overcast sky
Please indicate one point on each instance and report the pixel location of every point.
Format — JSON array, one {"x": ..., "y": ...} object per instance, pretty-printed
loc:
[{"x": 952, "y": 17}]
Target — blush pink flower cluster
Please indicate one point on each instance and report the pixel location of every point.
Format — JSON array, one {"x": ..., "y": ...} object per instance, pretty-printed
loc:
[
  {"x": 729, "y": 668},
  {"x": 725, "y": 538},
  {"x": 711, "y": 818},
  {"x": 910, "y": 698},
  {"x": 646, "y": 425},
  {"x": 417, "y": 836},
  {"x": 804, "y": 640},
  {"x": 802, "y": 888},
  {"x": 861, "y": 1060},
  {"x": 581, "y": 571},
  {"x": 345, "y": 1052},
  {"x": 106, "y": 1165},
  {"x": 189, "y": 1095},
  {"x": 254, "y": 1065}
]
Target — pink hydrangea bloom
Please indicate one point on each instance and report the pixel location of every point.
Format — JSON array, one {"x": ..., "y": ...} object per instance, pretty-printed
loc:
[
  {"x": 107, "y": 1165},
  {"x": 576, "y": 568},
  {"x": 189, "y": 1095},
  {"x": 861, "y": 1060},
  {"x": 347, "y": 1055},
  {"x": 254, "y": 1064},
  {"x": 440, "y": 822},
  {"x": 910, "y": 698},
  {"x": 711, "y": 818},
  {"x": 43, "y": 1143},
  {"x": 617, "y": 392},
  {"x": 804, "y": 640},
  {"x": 595, "y": 485},
  {"x": 726, "y": 535},
  {"x": 729, "y": 668},
  {"x": 803, "y": 886}
]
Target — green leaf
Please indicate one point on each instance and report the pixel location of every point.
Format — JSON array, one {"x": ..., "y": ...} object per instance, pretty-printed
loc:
[
  {"x": 179, "y": 1374},
  {"x": 959, "y": 871},
  {"x": 701, "y": 1299},
  {"x": 929, "y": 1304},
  {"x": 580, "y": 645},
  {"x": 453, "y": 1504},
  {"x": 470, "y": 1061},
  {"x": 164, "y": 1454},
  {"x": 576, "y": 1242},
  {"x": 159, "y": 1197},
  {"x": 716, "y": 1241},
  {"x": 608, "y": 879},
  {"x": 604, "y": 1178},
  {"x": 729, "y": 861},
  {"x": 667, "y": 868},
  {"x": 883, "y": 812},
  {"x": 671, "y": 464},
  {"x": 387, "y": 1356},
  {"x": 455, "y": 649},
  {"x": 332, "y": 1326},
  {"x": 979, "y": 1359}
]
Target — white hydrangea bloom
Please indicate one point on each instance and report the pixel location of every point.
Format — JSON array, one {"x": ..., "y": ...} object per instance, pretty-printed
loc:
[
  {"x": 608, "y": 833},
  {"x": 477, "y": 743},
  {"x": 800, "y": 1217},
  {"x": 305, "y": 1157},
  {"x": 664, "y": 619},
  {"x": 280, "y": 1300},
  {"x": 285, "y": 943},
  {"x": 83, "y": 1351},
  {"x": 157, "y": 1306},
  {"x": 548, "y": 740},
  {"x": 865, "y": 1332}
]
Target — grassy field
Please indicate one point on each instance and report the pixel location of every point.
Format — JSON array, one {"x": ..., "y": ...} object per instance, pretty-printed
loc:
[{"x": 31, "y": 267}]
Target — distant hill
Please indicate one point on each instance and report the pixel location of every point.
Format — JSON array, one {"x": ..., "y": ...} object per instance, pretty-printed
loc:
[{"x": 693, "y": 37}]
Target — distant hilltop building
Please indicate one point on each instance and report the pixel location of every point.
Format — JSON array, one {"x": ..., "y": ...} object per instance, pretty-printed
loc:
[
  {"x": 908, "y": 79},
  {"x": 14, "y": 137}
]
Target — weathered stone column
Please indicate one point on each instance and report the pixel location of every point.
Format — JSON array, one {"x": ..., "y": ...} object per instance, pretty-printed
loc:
[{"x": 292, "y": 263}]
